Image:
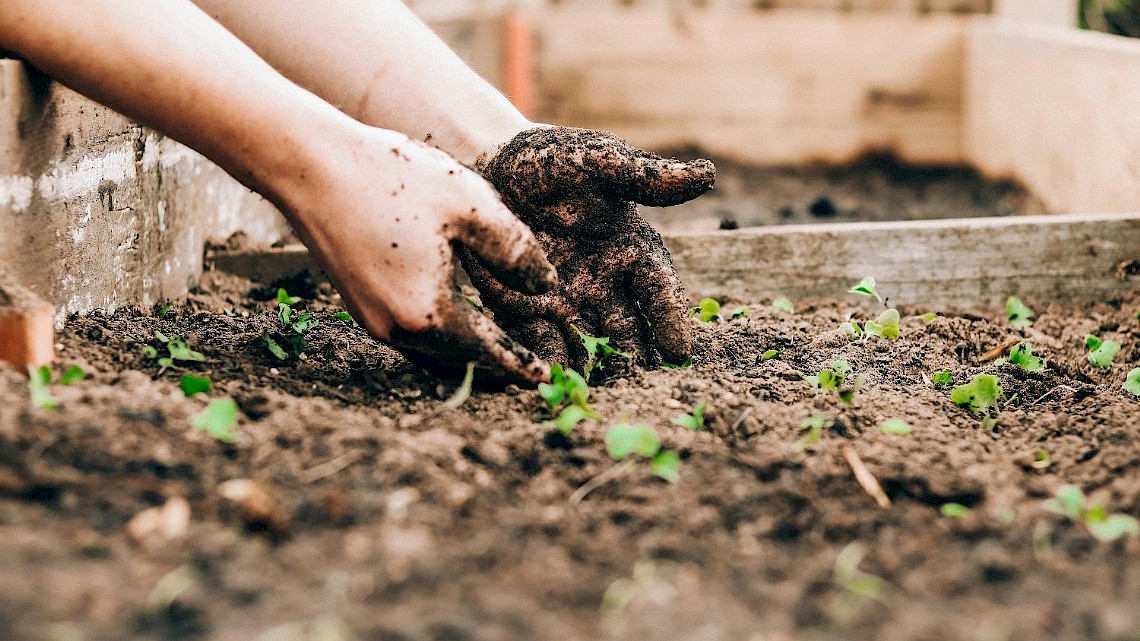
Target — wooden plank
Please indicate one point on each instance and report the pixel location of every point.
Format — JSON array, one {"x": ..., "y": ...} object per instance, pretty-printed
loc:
[
  {"x": 1057, "y": 109},
  {"x": 768, "y": 87},
  {"x": 963, "y": 263}
]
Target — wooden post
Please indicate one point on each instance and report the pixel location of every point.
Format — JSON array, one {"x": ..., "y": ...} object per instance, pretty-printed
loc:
[
  {"x": 518, "y": 62},
  {"x": 27, "y": 328}
]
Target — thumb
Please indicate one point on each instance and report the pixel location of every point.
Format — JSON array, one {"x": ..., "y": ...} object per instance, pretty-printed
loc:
[
  {"x": 649, "y": 179},
  {"x": 507, "y": 247}
]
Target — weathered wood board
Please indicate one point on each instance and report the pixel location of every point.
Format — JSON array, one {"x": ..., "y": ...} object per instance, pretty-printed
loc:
[{"x": 970, "y": 263}]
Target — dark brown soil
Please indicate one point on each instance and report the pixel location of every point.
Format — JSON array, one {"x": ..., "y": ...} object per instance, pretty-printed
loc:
[
  {"x": 391, "y": 518},
  {"x": 873, "y": 188}
]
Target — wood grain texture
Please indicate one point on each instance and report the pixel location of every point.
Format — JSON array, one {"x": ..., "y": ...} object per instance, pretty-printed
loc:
[{"x": 967, "y": 263}]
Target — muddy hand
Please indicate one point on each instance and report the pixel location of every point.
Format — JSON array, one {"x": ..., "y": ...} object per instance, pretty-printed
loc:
[
  {"x": 384, "y": 219},
  {"x": 578, "y": 191}
]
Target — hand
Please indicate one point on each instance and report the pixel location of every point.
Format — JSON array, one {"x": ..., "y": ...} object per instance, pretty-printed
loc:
[
  {"x": 382, "y": 218},
  {"x": 577, "y": 190}
]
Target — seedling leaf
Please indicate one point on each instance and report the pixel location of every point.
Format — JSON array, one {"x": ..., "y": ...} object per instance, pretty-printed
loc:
[
  {"x": 218, "y": 419},
  {"x": 1113, "y": 526},
  {"x": 1040, "y": 459},
  {"x": 979, "y": 395},
  {"x": 895, "y": 426},
  {"x": 1069, "y": 501},
  {"x": 1022, "y": 354},
  {"x": 707, "y": 310},
  {"x": 149, "y": 351},
  {"x": 597, "y": 349},
  {"x": 160, "y": 336},
  {"x": 284, "y": 298},
  {"x": 929, "y": 316},
  {"x": 463, "y": 392},
  {"x": 623, "y": 440},
  {"x": 694, "y": 421},
  {"x": 275, "y": 348},
  {"x": 1101, "y": 351},
  {"x": 1132, "y": 383},
  {"x": 192, "y": 384},
  {"x": 740, "y": 312},
  {"x": 1018, "y": 314},
  {"x": 852, "y": 330},
  {"x": 814, "y": 425},
  {"x": 570, "y": 416},
  {"x": 346, "y": 318},
  {"x": 180, "y": 350},
  {"x": 784, "y": 305},
  {"x": 39, "y": 380},
  {"x": 1092, "y": 342},
  {"x": 954, "y": 510},
  {"x": 841, "y": 366},
  {"x": 944, "y": 377},
  {"x": 866, "y": 287},
  {"x": 667, "y": 465},
  {"x": 73, "y": 374},
  {"x": 769, "y": 355},
  {"x": 686, "y": 364},
  {"x": 885, "y": 326}
]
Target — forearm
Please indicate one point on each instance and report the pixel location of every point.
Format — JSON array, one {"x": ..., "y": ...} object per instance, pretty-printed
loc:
[
  {"x": 169, "y": 65},
  {"x": 378, "y": 63}
]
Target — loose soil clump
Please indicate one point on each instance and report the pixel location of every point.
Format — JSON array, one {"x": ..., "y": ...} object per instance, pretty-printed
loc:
[{"x": 354, "y": 506}]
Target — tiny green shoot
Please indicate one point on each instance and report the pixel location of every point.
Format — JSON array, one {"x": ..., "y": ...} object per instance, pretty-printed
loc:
[
  {"x": 1101, "y": 351},
  {"x": 39, "y": 382},
  {"x": 982, "y": 393},
  {"x": 1018, "y": 314},
  {"x": 284, "y": 298},
  {"x": 597, "y": 350},
  {"x": 813, "y": 425},
  {"x": 666, "y": 465},
  {"x": 1132, "y": 382},
  {"x": 707, "y": 310},
  {"x": 292, "y": 334},
  {"x": 954, "y": 510},
  {"x": 73, "y": 374},
  {"x": 739, "y": 312},
  {"x": 164, "y": 310},
  {"x": 688, "y": 363},
  {"x": 866, "y": 287},
  {"x": 885, "y": 326},
  {"x": 624, "y": 440},
  {"x": 1022, "y": 355},
  {"x": 275, "y": 348},
  {"x": 836, "y": 379},
  {"x": 569, "y": 418},
  {"x": 568, "y": 388},
  {"x": 852, "y": 330},
  {"x": 463, "y": 392},
  {"x": 895, "y": 426},
  {"x": 943, "y": 377},
  {"x": 769, "y": 355},
  {"x": 929, "y": 316},
  {"x": 1040, "y": 460},
  {"x": 346, "y": 318},
  {"x": 192, "y": 384},
  {"x": 784, "y": 305},
  {"x": 1069, "y": 501},
  {"x": 694, "y": 421},
  {"x": 218, "y": 419}
]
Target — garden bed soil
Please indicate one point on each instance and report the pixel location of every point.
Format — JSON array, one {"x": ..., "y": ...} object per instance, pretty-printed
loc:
[
  {"x": 874, "y": 187},
  {"x": 376, "y": 514}
]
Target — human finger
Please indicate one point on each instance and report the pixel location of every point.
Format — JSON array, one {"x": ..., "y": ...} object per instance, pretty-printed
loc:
[
  {"x": 507, "y": 247},
  {"x": 664, "y": 304}
]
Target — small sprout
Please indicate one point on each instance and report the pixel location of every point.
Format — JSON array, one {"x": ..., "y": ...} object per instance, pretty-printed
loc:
[
  {"x": 569, "y": 418},
  {"x": 1022, "y": 355},
  {"x": 814, "y": 425},
  {"x": 346, "y": 318},
  {"x": 597, "y": 350},
  {"x": 835, "y": 377},
  {"x": 943, "y": 377},
  {"x": 284, "y": 298},
  {"x": 39, "y": 381},
  {"x": 688, "y": 363},
  {"x": 148, "y": 351},
  {"x": 565, "y": 385},
  {"x": 885, "y": 326},
  {"x": 164, "y": 310},
  {"x": 707, "y": 310},
  {"x": 192, "y": 384},
  {"x": 463, "y": 392},
  {"x": 623, "y": 440},
  {"x": 694, "y": 421},
  {"x": 769, "y": 355},
  {"x": 293, "y": 331},
  {"x": 841, "y": 366},
  {"x": 73, "y": 374},
  {"x": 1070, "y": 501},
  {"x": 1132, "y": 383},
  {"x": 857, "y": 584},
  {"x": 954, "y": 510},
  {"x": 1040, "y": 460},
  {"x": 739, "y": 312},
  {"x": 667, "y": 465},
  {"x": 180, "y": 350},
  {"x": 895, "y": 426},
  {"x": 218, "y": 419},
  {"x": 852, "y": 330},
  {"x": 160, "y": 336},
  {"x": 1018, "y": 314},
  {"x": 979, "y": 395},
  {"x": 784, "y": 305},
  {"x": 847, "y": 394},
  {"x": 275, "y": 348},
  {"x": 929, "y": 316},
  {"x": 866, "y": 287},
  {"x": 1101, "y": 352}
]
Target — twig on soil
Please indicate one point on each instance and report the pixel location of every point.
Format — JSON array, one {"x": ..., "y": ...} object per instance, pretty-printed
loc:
[
  {"x": 867, "y": 480},
  {"x": 600, "y": 480},
  {"x": 328, "y": 468},
  {"x": 999, "y": 350},
  {"x": 1051, "y": 392}
]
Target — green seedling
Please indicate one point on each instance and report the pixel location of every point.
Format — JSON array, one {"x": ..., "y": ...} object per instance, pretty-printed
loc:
[
  {"x": 39, "y": 387},
  {"x": 597, "y": 350},
  {"x": 1018, "y": 314},
  {"x": 165, "y": 310},
  {"x": 885, "y": 326},
  {"x": 274, "y": 348},
  {"x": 192, "y": 384},
  {"x": 739, "y": 312},
  {"x": 813, "y": 425},
  {"x": 857, "y": 587},
  {"x": 569, "y": 390},
  {"x": 866, "y": 287},
  {"x": 784, "y": 305},
  {"x": 218, "y": 420},
  {"x": 687, "y": 364},
  {"x": 623, "y": 441},
  {"x": 769, "y": 355},
  {"x": 895, "y": 426},
  {"x": 73, "y": 374},
  {"x": 1101, "y": 352},
  {"x": 954, "y": 510},
  {"x": 177, "y": 349},
  {"x": 1070, "y": 501},
  {"x": 569, "y": 418},
  {"x": 291, "y": 339},
  {"x": 463, "y": 392},
  {"x": 943, "y": 377},
  {"x": 836, "y": 379},
  {"x": 980, "y": 395},
  {"x": 707, "y": 310},
  {"x": 1040, "y": 460},
  {"x": 1022, "y": 355},
  {"x": 694, "y": 421},
  {"x": 852, "y": 329},
  {"x": 841, "y": 366},
  {"x": 346, "y": 318},
  {"x": 284, "y": 298},
  {"x": 1132, "y": 382},
  {"x": 929, "y": 316}
]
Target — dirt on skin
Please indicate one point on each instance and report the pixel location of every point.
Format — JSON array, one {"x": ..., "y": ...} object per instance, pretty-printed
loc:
[
  {"x": 377, "y": 514},
  {"x": 875, "y": 187}
]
